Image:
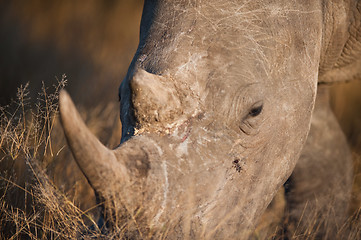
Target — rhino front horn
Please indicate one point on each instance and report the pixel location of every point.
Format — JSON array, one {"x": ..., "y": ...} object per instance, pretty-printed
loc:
[{"x": 96, "y": 161}]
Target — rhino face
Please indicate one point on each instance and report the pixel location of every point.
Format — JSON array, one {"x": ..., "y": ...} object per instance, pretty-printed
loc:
[{"x": 215, "y": 110}]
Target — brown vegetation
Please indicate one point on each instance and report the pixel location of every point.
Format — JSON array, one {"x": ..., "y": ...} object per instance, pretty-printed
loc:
[{"x": 43, "y": 195}]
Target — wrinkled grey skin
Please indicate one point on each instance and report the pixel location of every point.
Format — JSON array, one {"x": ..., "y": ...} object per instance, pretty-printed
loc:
[
  {"x": 319, "y": 189},
  {"x": 216, "y": 108}
]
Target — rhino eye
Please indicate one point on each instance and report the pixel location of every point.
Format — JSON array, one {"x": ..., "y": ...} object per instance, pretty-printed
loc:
[{"x": 255, "y": 111}]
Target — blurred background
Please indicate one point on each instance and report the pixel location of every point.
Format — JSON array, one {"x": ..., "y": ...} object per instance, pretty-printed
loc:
[{"x": 93, "y": 42}]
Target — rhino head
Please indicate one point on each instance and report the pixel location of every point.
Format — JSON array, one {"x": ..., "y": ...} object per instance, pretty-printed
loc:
[{"x": 215, "y": 110}]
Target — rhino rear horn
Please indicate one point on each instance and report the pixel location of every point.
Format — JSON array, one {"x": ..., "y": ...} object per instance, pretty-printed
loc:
[
  {"x": 96, "y": 161},
  {"x": 154, "y": 87},
  {"x": 154, "y": 96}
]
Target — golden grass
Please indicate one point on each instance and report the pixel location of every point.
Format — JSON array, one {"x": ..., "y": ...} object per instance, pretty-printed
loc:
[{"x": 32, "y": 206}]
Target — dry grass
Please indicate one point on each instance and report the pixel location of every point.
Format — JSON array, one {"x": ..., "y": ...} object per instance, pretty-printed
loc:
[{"x": 32, "y": 206}]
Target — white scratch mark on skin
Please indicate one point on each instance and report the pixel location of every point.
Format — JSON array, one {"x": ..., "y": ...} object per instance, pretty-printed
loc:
[
  {"x": 160, "y": 151},
  {"x": 193, "y": 60},
  {"x": 182, "y": 149},
  {"x": 165, "y": 193}
]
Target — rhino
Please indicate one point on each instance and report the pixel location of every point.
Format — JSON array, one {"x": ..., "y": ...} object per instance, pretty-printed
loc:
[{"x": 224, "y": 102}]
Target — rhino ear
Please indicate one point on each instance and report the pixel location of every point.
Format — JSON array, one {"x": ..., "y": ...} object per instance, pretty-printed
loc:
[{"x": 93, "y": 158}]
